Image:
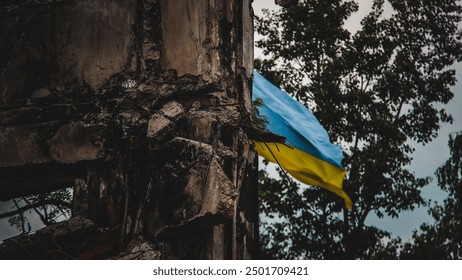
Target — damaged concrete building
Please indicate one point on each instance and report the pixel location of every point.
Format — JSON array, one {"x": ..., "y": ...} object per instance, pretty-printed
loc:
[{"x": 140, "y": 107}]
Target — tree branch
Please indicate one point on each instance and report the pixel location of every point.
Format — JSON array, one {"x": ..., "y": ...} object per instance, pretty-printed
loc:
[
  {"x": 41, "y": 216},
  {"x": 22, "y": 209},
  {"x": 23, "y": 223}
]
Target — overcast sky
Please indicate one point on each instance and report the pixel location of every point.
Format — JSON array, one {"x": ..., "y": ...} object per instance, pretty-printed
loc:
[{"x": 426, "y": 158}]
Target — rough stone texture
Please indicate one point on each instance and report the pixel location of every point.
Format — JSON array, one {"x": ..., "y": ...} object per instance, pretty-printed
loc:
[
  {"x": 141, "y": 106},
  {"x": 60, "y": 241},
  {"x": 194, "y": 37},
  {"x": 140, "y": 249},
  {"x": 81, "y": 197},
  {"x": 55, "y": 46},
  {"x": 76, "y": 142},
  {"x": 159, "y": 127},
  {"x": 173, "y": 110},
  {"x": 20, "y": 145},
  {"x": 94, "y": 39},
  {"x": 193, "y": 189},
  {"x": 201, "y": 126}
]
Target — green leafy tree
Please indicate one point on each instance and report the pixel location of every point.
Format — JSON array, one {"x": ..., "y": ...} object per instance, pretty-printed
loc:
[
  {"x": 374, "y": 91},
  {"x": 443, "y": 239}
]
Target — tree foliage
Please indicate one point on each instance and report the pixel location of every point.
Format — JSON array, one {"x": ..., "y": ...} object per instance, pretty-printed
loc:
[
  {"x": 374, "y": 91},
  {"x": 443, "y": 239}
]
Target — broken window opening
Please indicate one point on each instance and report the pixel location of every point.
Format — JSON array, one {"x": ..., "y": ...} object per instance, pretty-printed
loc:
[{"x": 25, "y": 215}]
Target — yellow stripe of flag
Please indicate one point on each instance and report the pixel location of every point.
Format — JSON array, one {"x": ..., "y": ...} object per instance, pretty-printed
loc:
[{"x": 305, "y": 167}]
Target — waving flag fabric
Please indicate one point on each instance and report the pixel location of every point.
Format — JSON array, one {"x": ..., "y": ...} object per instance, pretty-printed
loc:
[{"x": 308, "y": 155}]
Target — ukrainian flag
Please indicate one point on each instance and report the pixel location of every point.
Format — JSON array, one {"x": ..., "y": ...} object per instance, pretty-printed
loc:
[{"x": 308, "y": 155}]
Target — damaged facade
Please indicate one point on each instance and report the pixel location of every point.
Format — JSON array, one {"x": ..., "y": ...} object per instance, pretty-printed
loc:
[{"x": 139, "y": 106}]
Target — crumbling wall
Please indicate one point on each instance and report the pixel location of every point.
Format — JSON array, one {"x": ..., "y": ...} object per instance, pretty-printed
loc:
[{"x": 140, "y": 107}]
